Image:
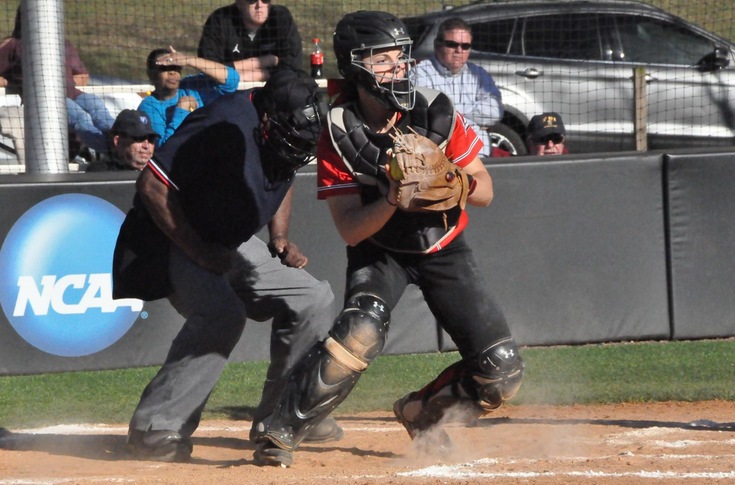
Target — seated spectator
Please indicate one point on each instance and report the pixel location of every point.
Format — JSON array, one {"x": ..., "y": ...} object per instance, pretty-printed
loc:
[
  {"x": 252, "y": 36},
  {"x": 470, "y": 87},
  {"x": 12, "y": 126},
  {"x": 174, "y": 98},
  {"x": 87, "y": 114},
  {"x": 546, "y": 135},
  {"x": 132, "y": 142}
]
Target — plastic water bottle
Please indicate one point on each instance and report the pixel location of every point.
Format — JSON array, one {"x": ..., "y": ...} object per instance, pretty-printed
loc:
[{"x": 317, "y": 59}]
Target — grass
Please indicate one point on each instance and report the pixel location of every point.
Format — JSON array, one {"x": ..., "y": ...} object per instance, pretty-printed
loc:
[
  {"x": 587, "y": 374},
  {"x": 114, "y": 37}
]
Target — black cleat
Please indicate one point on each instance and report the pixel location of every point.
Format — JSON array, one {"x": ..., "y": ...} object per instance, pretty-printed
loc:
[
  {"x": 326, "y": 431},
  {"x": 428, "y": 436},
  {"x": 268, "y": 453}
]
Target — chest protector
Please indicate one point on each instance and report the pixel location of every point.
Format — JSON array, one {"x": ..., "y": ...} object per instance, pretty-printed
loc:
[{"x": 364, "y": 154}]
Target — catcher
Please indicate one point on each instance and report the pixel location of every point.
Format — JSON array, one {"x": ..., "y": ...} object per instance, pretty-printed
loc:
[{"x": 397, "y": 165}]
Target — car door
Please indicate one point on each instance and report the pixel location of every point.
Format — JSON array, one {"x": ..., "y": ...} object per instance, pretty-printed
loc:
[
  {"x": 687, "y": 105},
  {"x": 560, "y": 63}
]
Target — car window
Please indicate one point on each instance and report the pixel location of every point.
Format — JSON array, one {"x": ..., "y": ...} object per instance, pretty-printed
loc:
[
  {"x": 562, "y": 37},
  {"x": 653, "y": 41},
  {"x": 495, "y": 36}
]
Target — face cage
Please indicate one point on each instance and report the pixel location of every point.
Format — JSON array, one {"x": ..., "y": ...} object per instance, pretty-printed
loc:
[
  {"x": 288, "y": 144},
  {"x": 399, "y": 93}
]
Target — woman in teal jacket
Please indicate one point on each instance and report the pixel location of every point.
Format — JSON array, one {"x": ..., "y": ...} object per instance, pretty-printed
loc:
[{"x": 173, "y": 98}]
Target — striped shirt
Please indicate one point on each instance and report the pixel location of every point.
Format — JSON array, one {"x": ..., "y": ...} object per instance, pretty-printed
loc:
[{"x": 472, "y": 90}]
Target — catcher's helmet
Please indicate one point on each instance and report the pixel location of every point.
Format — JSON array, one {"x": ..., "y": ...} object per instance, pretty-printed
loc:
[{"x": 361, "y": 33}]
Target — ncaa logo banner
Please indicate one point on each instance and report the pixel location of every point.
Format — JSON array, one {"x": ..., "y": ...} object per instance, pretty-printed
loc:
[{"x": 55, "y": 276}]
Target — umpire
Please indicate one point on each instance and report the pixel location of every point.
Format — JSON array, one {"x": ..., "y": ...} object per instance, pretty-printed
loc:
[{"x": 226, "y": 173}]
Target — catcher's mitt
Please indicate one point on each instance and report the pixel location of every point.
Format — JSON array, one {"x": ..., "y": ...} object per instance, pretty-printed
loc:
[{"x": 427, "y": 180}]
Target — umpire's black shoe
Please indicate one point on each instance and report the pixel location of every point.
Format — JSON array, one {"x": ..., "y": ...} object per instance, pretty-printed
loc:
[
  {"x": 163, "y": 445},
  {"x": 326, "y": 431}
]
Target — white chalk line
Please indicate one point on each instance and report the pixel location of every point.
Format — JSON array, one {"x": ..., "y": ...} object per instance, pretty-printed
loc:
[
  {"x": 464, "y": 475},
  {"x": 456, "y": 471},
  {"x": 26, "y": 435},
  {"x": 629, "y": 437},
  {"x": 58, "y": 481},
  {"x": 92, "y": 429}
]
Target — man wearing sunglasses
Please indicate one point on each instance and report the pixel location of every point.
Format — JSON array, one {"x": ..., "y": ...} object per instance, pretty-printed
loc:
[
  {"x": 226, "y": 173},
  {"x": 253, "y": 36},
  {"x": 546, "y": 135},
  {"x": 470, "y": 87},
  {"x": 132, "y": 142}
]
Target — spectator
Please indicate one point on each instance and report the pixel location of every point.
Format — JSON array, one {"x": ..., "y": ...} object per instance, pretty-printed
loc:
[
  {"x": 174, "y": 98},
  {"x": 470, "y": 87},
  {"x": 132, "y": 141},
  {"x": 546, "y": 135},
  {"x": 253, "y": 36},
  {"x": 87, "y": 115},
  {"x": 12, "y": 126}
]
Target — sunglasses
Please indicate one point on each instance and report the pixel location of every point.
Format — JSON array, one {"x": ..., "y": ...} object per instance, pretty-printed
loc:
[
  {"x": 554, "y": 138},
  {"x": 167, "y": 68},
  {"x": 253, "y": 2},
  {"x": 140, "y": 139},
  {"x": 465, "y": 46}
]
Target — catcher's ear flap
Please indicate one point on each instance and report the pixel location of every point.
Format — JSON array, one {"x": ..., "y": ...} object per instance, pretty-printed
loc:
[
  {"x": 471, "y": 184},
  {"x": 468, "y": 185}
]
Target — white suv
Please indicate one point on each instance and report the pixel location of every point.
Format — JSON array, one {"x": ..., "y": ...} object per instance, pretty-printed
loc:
[{"x": 578, "y": 58}]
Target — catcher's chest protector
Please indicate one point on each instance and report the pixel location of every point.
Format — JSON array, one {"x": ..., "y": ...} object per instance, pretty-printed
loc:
[
  {"x": 364, "y": 155},
  {"x": 361, "y": 150}
]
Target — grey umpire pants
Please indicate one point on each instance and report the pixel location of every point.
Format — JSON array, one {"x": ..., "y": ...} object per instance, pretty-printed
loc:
[{"x": 216, "y": 307}]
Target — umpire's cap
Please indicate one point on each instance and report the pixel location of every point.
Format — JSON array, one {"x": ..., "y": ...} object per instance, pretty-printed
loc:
[{"x": 295, "y": 111}]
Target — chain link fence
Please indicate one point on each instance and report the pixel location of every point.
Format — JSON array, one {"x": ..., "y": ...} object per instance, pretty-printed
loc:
[{"x": 113, "y": 39}]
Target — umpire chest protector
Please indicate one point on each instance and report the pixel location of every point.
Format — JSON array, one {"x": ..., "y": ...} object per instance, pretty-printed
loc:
[{"x": 364, "y": 154}]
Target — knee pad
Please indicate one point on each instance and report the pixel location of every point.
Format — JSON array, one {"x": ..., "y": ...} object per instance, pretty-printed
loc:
[
  {"x": 359, "y": 332},
  {"x": 500, "y": 373}
]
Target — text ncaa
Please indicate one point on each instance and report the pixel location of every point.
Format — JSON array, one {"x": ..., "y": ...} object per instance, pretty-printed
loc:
[{"x": 55, "y": 281}]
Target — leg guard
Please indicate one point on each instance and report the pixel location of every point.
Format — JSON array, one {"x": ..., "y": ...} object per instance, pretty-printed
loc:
[
  {"x": 326, "y": 376},
  {"x": 501, "y": 373},
  {"x": 475, "y": 386}
]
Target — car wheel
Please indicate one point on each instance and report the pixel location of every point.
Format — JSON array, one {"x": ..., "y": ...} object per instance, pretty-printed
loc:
[{"x": 503, "y": 136}]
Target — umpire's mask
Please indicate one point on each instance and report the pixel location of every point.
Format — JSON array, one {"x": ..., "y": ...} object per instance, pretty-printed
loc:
[{"x": 295, "y": 117}]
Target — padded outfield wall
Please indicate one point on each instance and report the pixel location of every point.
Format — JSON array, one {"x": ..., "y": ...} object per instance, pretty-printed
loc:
[{"x": 576, "y": 250}]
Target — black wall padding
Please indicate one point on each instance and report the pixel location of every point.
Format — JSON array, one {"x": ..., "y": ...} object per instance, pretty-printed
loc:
[
  {"x": 574, "y": 250},
  {"x": 702, "y": 226}
]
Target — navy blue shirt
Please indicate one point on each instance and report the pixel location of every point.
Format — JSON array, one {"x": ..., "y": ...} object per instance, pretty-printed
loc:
[{"x": 213, "y": 161}]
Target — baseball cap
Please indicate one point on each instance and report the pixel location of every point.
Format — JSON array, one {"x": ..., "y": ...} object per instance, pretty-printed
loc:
[
  {"x": 545, "y": 124},
  {"x": 133, "y": 123}
]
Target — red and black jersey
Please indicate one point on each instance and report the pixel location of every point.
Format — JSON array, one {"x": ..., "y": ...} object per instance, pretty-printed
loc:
[{"x": 343, "y": 170}]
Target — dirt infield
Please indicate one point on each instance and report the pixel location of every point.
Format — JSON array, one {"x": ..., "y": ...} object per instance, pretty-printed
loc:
[{"x": 667, "y": 443}]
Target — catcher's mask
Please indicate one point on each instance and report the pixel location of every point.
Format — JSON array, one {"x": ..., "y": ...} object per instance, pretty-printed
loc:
[
  {"x": 359, "y": 36},
  {"x": 295, "y": 117}
]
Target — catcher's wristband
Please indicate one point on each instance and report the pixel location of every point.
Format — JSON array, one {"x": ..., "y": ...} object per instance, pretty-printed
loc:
[{"x": 471, "y": 183}]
